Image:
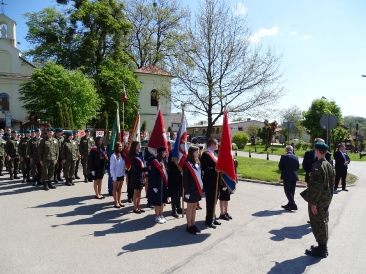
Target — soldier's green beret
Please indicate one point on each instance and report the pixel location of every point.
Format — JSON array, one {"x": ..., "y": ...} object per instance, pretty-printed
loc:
[
  {"x": 75, "y": 132},
  {"x": 68, "y": 133},
  {"x": 87, "y": 130},
  {"x": 14, "y": 131},
  {"x": 27, "y": 131},
  {"x": 59, "y": 129},
  {"x": 37, "y": 130},
  {"x": 321, "y": 145},
  {"x": 50, "y": 129}
]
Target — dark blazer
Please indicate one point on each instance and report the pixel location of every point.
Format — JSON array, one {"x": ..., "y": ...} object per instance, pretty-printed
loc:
[
  {"x": 310, "y": 159},
  {"x": 156, "y": 181},
  {"x": 340, "y": 161},
  {"x": 288, "y": 165},
  {"x": 174, "y": 178},
  {"x": 137, "y": 177},
  {"x": 94, "y": 161},
  {"x": 190, "y": 186},
  {"x": 208, "y": 166}
]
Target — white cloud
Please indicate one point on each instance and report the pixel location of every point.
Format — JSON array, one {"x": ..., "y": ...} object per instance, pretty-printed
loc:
[
  {"x": 305, "y": 37},
  {"x": 241, "y": 9},
  {"x": 294, "y": 32},
  {"x": 263, "y": 32},
  {"x": 357, "y": 98}
]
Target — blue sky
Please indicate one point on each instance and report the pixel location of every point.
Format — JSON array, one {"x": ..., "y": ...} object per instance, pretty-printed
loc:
[{"x": 323, "y": 45}]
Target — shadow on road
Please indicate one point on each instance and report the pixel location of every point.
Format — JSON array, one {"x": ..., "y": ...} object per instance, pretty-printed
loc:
[
  {"x": 174, "y": 237},
  {"x": 268, "y": 213},
  {"x": 294, "y": 266},
  {"x": 290, "y": 232},
  {"x": 66, "y": 202}
]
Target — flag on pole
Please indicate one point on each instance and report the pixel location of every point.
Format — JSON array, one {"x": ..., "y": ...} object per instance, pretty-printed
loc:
[
  {"x": 225, "y": 161},
  {"x": 116, "y": 131},
  {"x": 158, "y": 135},
  {"x": 179, "y": 153},
  {"x": 124, "y": 94}
]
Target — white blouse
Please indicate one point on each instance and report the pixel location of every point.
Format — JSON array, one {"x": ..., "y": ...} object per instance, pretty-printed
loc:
[{"x": 117, "y": 167}]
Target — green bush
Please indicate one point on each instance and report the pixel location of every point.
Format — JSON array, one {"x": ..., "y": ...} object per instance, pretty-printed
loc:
[
  {"x": 240, "y": 139},
  {"x": 298, "y": 145},
  {"x": 305, "y": 146}
]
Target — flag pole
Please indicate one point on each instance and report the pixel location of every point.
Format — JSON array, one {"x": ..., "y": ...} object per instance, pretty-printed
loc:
[
  {"x": 123, "y": 116},
  {"x": 182, "y": 176}
]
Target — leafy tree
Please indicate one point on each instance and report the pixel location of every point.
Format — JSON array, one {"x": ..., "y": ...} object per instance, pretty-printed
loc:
[
  {"x": 338, "y": 135},
  {"x": 52, "y": 83},
  {"x": 295, "y": 115},
  {"x": 312, "y": 116},
  {"x": 252, "y": 130},
  {"x": 267, "y": 132},
  {"x": 156, "y": 28},
  {"x": 218, "y": 66},
  {"x": 238, "y": 119},
  {"x": 351, "y": 121},
  {"x": 240, "y": 139},
  {"x": 171, "y": 134},
  {"x": 143, "y": 127}
]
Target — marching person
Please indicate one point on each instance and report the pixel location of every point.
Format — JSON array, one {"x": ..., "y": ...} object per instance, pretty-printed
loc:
[
  {"x": 319, "y": 196},
  {"x": 289, "y": 164},
  {"x": 96, "y": 164},
  {"x": 208, "y": 165},
  {"x": 33, "y": 146},
  {"x": 341, "y": 165},
  {"x": 158, "y": 184},
  {"x": 136, "y": 174},
  {"x": 11, "y": 149},
  {"x": 117, "y": 168},
  {"x": 48, "y": 154},
  {"x": 86, "y": 143},
  {"x": 24, "y": 156},
  {"x": 174, "y": 184},
  {"x": 58, "y": 168},
  {"x": 192, "y": 187},
  {"x": 69, "y": 156}
]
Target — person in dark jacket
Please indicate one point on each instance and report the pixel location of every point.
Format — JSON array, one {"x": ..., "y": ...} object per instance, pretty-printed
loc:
[
  {"x": 136, "y": 174},
  {"x": 289, "y": 164},
  {"x": 96, "y": 164},
  {"x": 192, "y": 179},
  {"x": 341, "y": 165},
  {"x": 174, "y": 185},
  {"x": 158, "y": 184}
]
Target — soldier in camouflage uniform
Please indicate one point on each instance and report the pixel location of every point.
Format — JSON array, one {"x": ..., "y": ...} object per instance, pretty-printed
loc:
[
  {"x": 58, "y": 168},
  {"x": 48, "y": 154},
  {"x": 69, "y": 156},
  {"x": 11, "y": 149},
  {"x": 319, "y": 196},
  {"x": 86, "y": 143},
  {"x": 33, "y": 146},
  {"x": 77, "y": 140},
  {"x": 2, "y": 154},
  {"x": 24, "y": 156}
]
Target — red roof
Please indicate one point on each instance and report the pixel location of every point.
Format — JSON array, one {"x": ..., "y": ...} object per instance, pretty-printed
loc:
[{"x": 152, "y": 69}]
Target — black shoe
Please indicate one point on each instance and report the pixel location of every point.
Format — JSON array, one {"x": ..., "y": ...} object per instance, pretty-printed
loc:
[
  {"x": 345, "y": 189},
  {"x": 175, "y": 214},
  {"x": 11, "y": 176},
  {"x": 228, "y": 215},
  {"x": 129, "y": 201},
  {"x": 59, "y": 178},
  {"x": 117, "y": 206},
  {"x": 284, "y": 206},
  {"x": 45, "y": 186},
  {"x": 136, "y": 211},
  {"x": 16, "y": 176},
  {"x": 224, "y": 217},
  {"x": 50, "y": 185},
  {"x": 192, "y": 230},
  {"x": 317, "y": 251},
  {"x": 71, "y": 182},
  {"x": 216, "y": 223},
  {"x": 179, "y": 210},
  {"x": 68, "y": 183},
  {"x": 291, "y": 207},
  {"x": 1, "y": 174},
  {"x": 85, "y": 179},
  {"x": 76, "y": 176},
  {"x": 197, "y": 230},
  {"x": 110, "y": 193},
  {"x": 141, "y": 210},
  {"x": 211, "y": 225},
  {"x": 198, "y": 207},
  {"x": 29, "y": 179}
]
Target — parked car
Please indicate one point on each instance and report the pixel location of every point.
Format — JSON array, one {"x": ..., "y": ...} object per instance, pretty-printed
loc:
[{"x": 198, "y": 140}]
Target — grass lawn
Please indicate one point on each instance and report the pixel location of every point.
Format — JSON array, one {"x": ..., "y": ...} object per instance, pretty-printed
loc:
[
  {"x": 268, "y": 171},
  {"x": 280, "y": 150}
]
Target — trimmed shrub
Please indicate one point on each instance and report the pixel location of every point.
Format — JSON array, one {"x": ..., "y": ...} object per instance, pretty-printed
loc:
[{"x": 240, "y": 139}]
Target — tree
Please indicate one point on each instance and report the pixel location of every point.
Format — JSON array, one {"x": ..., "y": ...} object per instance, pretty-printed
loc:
[
  {"x": 338, "y": 135},
  {"x": 295, "y": 115},
  {"x": 351, "y": 121},
  {"x": 89, "y": 35},
  {"x": 312, "y": 116},
  {"x": 240, "y": 139},
  {"x": 217, "y": 66},
  {"x": 156, "y": 28},
  {"x": 143, "y": 127},
  {"x": 252, "y": 130},
  {"x": 267, "y": 132},
  {"x": 52, "y": 83},
  {"x": 238, "y": 119}
]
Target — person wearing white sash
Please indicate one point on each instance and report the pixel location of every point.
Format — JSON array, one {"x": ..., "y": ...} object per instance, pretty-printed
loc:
[{"x": 192, "y": 187}]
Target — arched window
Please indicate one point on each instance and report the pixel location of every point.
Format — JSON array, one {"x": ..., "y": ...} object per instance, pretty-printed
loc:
[
  {"x": 4, "y": 101},
  {"x": 154, "y": 98},
  {"x": 3, "y": 31}
]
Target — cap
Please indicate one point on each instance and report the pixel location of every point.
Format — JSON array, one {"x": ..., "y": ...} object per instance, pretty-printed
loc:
[
  {"x": 75, "y": 132},
  {"x": 59, "y": 129},
  {"x": 27, "y": 131},
  {"x": 50, "y": 129},
  {"x": 321, "y": 145},
  {"x": 14, "y": 131},
  {"x": 160, "y": 149},
  {"x": 33, "y": 130},
  {"x": 68, "y": 133},
  {"x": 37, "y": 130},
  {"x": 87, "y": 130}
]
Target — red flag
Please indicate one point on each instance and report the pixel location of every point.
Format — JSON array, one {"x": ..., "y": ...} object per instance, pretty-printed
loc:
[
  {"x": 124, "y": 95},
  {"x": 158, "y": 135},
  {"x": 225, "y": 161}
]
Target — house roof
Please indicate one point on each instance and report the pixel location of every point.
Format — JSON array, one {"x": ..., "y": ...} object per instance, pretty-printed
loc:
[
  {"x": 25, "y": 61},
  {"x": 152, "y": 69}
]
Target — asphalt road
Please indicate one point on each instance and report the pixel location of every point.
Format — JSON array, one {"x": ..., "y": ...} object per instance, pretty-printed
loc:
[{"x": 66, "y": 230}]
